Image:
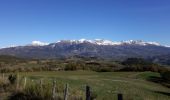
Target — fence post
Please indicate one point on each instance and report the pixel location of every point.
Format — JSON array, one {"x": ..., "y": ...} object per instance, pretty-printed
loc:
[
  {"x": 66, "y": 92},
  {"x": 25, "y": 82},
  {"x": 88, "y": 94},
  {"x": 17, "y": 87},
  {"x": 54, "y": 90},
  {"x": 3, "y": 77},
  {"x": 41, "y": 83},
  {"x": 120, "y": 96}
]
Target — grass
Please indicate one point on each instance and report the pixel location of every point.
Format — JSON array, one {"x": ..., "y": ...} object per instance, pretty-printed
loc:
[{"x": 133, "y": 85}]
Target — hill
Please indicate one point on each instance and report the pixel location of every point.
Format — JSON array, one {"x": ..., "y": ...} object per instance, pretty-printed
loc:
[{"x": 87, "y": 48}]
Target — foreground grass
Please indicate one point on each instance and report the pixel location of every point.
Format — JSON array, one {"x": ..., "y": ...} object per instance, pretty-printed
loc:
[{"x": 133, "y": 85}]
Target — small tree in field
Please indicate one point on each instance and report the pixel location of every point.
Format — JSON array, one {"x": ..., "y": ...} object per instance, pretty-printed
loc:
[{"x": 12, "y": 78}]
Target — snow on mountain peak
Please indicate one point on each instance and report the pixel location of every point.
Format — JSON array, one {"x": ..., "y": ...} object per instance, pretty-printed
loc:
[
  {"x": 95, "y": 41},
  {"x": 140, "y": 42},
  {"x": 38, "y": 43},
  {"x": 108, "y": 42},
  {"x": 154, "y": 43},
  {"x": 105, "y": 42},
  {"x": 11, "y": 46},
  {"x": 82, "y": 40}
]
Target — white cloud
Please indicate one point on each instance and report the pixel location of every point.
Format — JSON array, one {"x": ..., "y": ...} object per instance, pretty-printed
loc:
[{"x": 38, "y": 43}]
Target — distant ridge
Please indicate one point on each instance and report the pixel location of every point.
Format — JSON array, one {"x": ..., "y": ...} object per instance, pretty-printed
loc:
[
  {"x": 95, "y": 41},
  {"x": 91, "y": 48},
  {"x": 108, "y": 42}
]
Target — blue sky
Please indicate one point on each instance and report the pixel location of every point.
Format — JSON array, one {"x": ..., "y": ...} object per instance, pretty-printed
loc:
[{"x": 23, "y": 21}]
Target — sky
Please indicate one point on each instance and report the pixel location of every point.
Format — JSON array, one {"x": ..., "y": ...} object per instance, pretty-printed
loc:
[{"x": 23, "y": 21}]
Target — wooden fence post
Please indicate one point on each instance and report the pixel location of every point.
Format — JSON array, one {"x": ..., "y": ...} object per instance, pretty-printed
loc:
[
  {"x": 66, "y": 92},
  {"x": 25, "y": 82},
  {"x": 120, "y": 96},
  {"x": 54, "y": 90},
  {"x": 17, "y": 87},
  {"x": 3, "y": 79},
  {"x": 41, "y": 83},
  {"x": 88, "y": 94}
]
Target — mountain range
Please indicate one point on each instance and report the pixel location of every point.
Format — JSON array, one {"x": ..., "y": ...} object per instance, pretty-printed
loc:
[{"x": 92, "y": 48}]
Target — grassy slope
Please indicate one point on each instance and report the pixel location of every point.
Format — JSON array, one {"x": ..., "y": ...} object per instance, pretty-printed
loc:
[{"x": 133, "y": 85}]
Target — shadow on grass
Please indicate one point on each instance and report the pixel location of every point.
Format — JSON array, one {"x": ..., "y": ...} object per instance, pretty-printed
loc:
[
  {"x": 155, "y": 79},
  {"x": 164, "y": 93},
  {"x": 159, "y": 80}
]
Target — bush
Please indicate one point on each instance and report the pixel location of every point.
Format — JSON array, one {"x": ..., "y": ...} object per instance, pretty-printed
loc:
[
  {"x": 139, "y": 64},
  {"x": 33, "y": 92},
  {"x": 71, "y": 66},
  {"x": 93, "y": 96},
  {"x": 18, "y": 96},
  {"x": 12, "y": 79}
]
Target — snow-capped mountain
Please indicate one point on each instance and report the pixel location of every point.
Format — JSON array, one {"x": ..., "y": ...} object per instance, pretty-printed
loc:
[
  {"x": 108, "y": 42},
  {"x": 90, "y": 48},
  {"x": 11, "y": 46},
  {"x": 95, "y": 41}
]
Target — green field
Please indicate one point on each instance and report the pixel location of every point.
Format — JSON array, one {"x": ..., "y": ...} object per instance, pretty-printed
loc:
[{"x": 133, "y": 85}]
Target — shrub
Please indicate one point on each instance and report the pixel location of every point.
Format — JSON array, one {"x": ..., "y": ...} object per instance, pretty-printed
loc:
[
  {"x": 93, "y": 96},
  {"x": 71, "y": 66},
  {"x": 139, "y": 64},
  {"x": 12, "y": 78},
  {"x": 33, "y": 92}
]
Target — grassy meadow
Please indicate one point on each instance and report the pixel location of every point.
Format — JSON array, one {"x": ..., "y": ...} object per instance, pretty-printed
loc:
[{"x": 104, "y": 86}]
